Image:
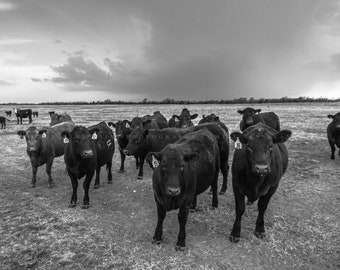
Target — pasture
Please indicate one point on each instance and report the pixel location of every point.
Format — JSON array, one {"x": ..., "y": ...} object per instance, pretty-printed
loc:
[{"x": 39, "y": 231}]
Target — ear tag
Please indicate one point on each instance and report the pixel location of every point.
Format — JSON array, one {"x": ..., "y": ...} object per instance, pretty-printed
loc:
[
  {"x": 127, "y": 125},
  {"x": 155, "y": 162},
  {"x": 238, "y": 144},
  {"x": 43, "y": 135},
  {"x": 66, "y": 140},
  {"x": 94, "y": 136}
]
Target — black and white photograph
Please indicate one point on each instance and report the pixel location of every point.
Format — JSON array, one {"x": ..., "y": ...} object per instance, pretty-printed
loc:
[{"x": 169, "y": 134}]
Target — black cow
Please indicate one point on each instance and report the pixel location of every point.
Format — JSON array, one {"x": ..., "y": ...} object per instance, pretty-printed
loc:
[
  {"x": 35, "y": 114},
  {"x": 43, "y": 146},
  {"x": 144, "y": 122},
  {"x": 81, "y": 160},
  {"x": 123, "y": 130},
  {"x": 105, "y": 147},
  {"x": 186, "y": 168},
  {"x": 8, "y": 113},
  {"x": 3, "y": 122},
  {"x": 27, "y": 113},
  {"x": 333, "y": 133},
  {"x": 211, "y": 118},
  {"x": 183, "y": 120},
  {"x": 51, "y": 113},
  {"x": 259, "y": 162},
  {"x": 158, "y": 118},
  {"x": 251, "y": 116},
  {"x": 60, "y": 118},
  {"x": 142, "y": 141}
]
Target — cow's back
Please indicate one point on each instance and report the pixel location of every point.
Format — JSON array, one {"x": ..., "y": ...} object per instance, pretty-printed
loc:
[{"x": 55, "y": 139}]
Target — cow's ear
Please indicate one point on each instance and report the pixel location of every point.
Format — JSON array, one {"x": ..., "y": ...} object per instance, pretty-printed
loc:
[
  {"x": 217, "y": 119},
  {"x": 282, "y": 136},
  {"x": 238, "y": 137},
  {"x": 330, "y": 116},
  {"x": 66, "y": 136},
  {"x": 257, "y": 111},
  {"x": 111, "y": 124},
  {"x": 145, "y": 133},
  {"x": 43, "y": 133},
  {"x": 194, "y": 116},
  {"x": 153, "y": 158},
  {"x": 21, "y": 133},
  {"x": 240, "y": 112},
  {"x": 94, "y": 133},
  {"x": 191, "y": 157},
  {"x": 175, "y": 116}
]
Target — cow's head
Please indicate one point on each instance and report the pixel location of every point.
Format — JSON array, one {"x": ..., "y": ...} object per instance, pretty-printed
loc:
[
  {"x": 248, "y": 115},
  {"x": 34, "y": 138},
  {"x": 123, "y": 128},
  {"x": 336, "y": 119},
  {"x": 211, "y": 118},
  {"x": 172, "y": 163},
  {"x": 137, "y": 141},
  {"x": 184, "y": 119},
  {"x": 137, "y": 122},
  {"x": 258, "y": 146},
  {"x": 80, "y": 140}
]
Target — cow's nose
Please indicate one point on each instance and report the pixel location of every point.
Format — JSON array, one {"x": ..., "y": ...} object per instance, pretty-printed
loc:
[
  {"x": 88, "y": 153},
  {"x": 249, "y": 122},
  {"x": 261, "y": 169},
  {"x": 32, "y": 148},
  {"x": 126, "y": 152},
  {"x": 174, "y": 191}
]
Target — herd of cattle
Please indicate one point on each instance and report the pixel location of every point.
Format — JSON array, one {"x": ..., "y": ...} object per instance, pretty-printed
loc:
[{"x": 186, "y": 159}]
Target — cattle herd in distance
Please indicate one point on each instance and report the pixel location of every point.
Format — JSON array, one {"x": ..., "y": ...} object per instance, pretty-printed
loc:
[{"x": 186, "y": 159}]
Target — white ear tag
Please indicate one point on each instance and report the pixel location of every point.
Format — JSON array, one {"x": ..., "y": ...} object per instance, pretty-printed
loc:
[
  {"x": 127, "y": 125},
  {"x": 43, "y": 135},
  {"x": 66, "y": 140},
  {"x": 238, "y": 144},
  {"x": 94, "y": 136},
  {"x": 155, "y": 162}
]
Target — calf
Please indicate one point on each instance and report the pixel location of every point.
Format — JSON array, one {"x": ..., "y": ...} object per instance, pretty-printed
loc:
[
  {"x": 43, "y": 146},
  {"x": 259, "y": 162},
  {"x": 251, "y": 116},
  {"x": 123, "y": 130},
  {"x": 8, "y": 113},
  {"x": 59, "y": 118},
  {"x": 141, "y": 142},
  {"x": 105, "y": 147},
  {"x": 81, "y": 160},
  {"x": 20, "y": 114},
  {"x": 184, "y": 119},
  {"x": 333, "y": 133},
  {"x": 186, "y": 169},
  {"x": 35, "y": 114},
  {"x": 3, "y": 122}
]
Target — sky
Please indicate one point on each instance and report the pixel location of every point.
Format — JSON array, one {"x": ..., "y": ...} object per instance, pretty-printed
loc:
[{"x": 85, "y": 50}]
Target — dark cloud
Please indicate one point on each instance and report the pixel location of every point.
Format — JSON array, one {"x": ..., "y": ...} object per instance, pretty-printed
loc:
[{"x": 36, "y": 80}]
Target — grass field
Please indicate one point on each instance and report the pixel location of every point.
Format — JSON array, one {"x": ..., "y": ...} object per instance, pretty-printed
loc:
[{"x": 39, "y": 231}]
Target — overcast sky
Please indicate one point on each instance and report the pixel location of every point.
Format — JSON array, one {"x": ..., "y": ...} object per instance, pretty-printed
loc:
[{"x": 85, "y": 50}]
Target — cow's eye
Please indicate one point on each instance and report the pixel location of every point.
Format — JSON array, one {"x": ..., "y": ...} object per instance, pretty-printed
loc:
[
  {"x": 181, "y": 168},
  {"x": 270, "y": 148}
]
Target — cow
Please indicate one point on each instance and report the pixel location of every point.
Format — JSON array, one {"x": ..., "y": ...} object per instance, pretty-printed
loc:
[
  {"x": 184, "y": 119},
  {"x": 51, "y": 113},
  {"x": 252, "y": 116},
  {"x": 158, "y": 117},
  {"x": 3, "y": 122},
  {"x": 333, "y": 133},
  {"x": 59, "y": 118},
  {"x": 105, "y": 147},
  {"x": 8, "y": 113},
  {"x": 27, "y": 113},
  {"x": 260, "y": 160},
  {"x": 142, "y": 141},
  {"x": 183, "y": 170},
  {"x": 81, "y": 160},
  {"x": 211, "y": 118},
  {"x": 144, "y": 122},
  {"x": 35, "y": 114},
  {"x": 123, "y": 130},
  {"x": 43, "y": 145}
]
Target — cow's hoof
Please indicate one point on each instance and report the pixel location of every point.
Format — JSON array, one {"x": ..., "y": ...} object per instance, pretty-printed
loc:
[
  {"x": 32, "y": 185},
  {"x": 85, "y": 206},
  {"x": 157, "y": 242},
  {"x": 179, "y": 248},
  {"x": 260, "y": 235},
  {"x": 72, "y": 205},
  {"x": 234, "y": 239},
  {"x": 221, "y": 192},
  {"x": 50, "y": 185},
  {"x": 96, "y": 186},
  {"x": 249, "y": 203},
  {"x": 332, "y": 157},
  {"x": 109, "y": 181},
  {"x": 139, "y": 177},
  {"x": 121, "y": 171}
]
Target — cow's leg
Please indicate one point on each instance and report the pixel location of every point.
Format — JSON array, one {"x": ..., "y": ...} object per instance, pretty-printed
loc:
[
  {"x": 140, "y": 173},
  {"x": 97, "y": 180},
  {"x": 122, "y": 160},
  {"x": 194, "y": 204},
  {"x": 214, "y": 190},
  {"x": 332, "y": 145},
  {"x": 182, "y": 219},
  {"x": 30, "y": 119},
  {"x": 74, "y": 182},
  {"x": 157, "y": 238},
  {"x": 34, "y": 174},
  {"x": 109, "y": 171},
  {"x": 137, "y": 162},
  {"x": 48, "y": 171},
  {"x": 86, "y": 185},
  {"x": 17, "y": 120},
  {"x": 240, "y": 208},
  {"x": 262, "y": 206},
  {"x": 224, "y": 170}
]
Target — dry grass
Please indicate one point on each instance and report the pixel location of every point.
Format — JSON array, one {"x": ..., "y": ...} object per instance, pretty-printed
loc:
[{"x": 39, "y": 231}]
